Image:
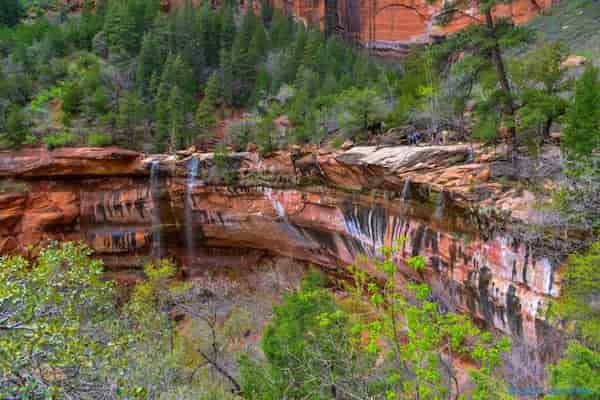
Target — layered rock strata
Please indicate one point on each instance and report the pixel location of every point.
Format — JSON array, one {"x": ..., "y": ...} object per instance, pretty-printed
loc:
[{"x": 321, "y": 207}]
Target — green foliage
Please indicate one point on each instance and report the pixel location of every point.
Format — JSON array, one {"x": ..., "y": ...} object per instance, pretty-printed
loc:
[
  {"x": 577, "y": 310},
  {"x": 362, "y": 111},
  {"x": 48, "y": 313},
  {"x": 204, "y": 118},
  {"x": 223, "y": 165},
  {"x": 483, "y": 47},
  {"x": 66, "y": 333},
  {"x": 308, "y": 349},
  {"x": 580, "y": 296},
  {"x": 60, "y": 139},
  {"x": 130, "y": 114},
  {"x": 576, "y": 375},
  {"x": 412, "y": 334},
  {"x": 14, "y": 131},
  {"x": 99, "y": 139},
  {"x": 11, "y": 12},
  {"x": 176, "y": 119},
  {"x": 582, "y": 133},
  {"x": 540, "y": 80},
  {"x": 94, "y": 62}
]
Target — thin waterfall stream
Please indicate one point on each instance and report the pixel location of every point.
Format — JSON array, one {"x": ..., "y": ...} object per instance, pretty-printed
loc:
[
  {"x": 189, "y": 205},
  {"x": 155, "y": 215}
]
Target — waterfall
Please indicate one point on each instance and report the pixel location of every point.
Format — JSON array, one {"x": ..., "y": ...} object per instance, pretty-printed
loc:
[
  {"x": 368, "y": 226},
  {"x": 155, "y": 215},
  {"x": 440, "y": 205},
  {"x": 189, "y": 212},
  {"x": 276, "y": 204},
  {"x": 405, "y": 190}
]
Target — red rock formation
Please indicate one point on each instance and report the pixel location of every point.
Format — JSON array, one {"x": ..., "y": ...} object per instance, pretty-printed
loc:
[
  {"x": 295, "y": 209},
  {"x": 387, "y": 24}
]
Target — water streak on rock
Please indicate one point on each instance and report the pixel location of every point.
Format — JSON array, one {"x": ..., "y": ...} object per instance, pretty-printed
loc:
[
  {"x": 155, "y": 190},
  {"x": 189, "y": 208}
]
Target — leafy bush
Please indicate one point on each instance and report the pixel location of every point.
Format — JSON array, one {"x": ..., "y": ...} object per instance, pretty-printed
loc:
[
  {"x": 61, "y": 139},
  {"x": 99, "y": 139}
]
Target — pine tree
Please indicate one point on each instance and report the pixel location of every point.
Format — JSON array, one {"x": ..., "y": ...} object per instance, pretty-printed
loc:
[
  {"x": 151, "y": 10},
  {"x": 11, "y": 12},
  {"x": 130, "y": 115},
  {"x": 120, "y": 28},
  {"x": 204, "y": 118},
  {"x": 150, "y": 61},
  {"x": 212, "y": 92},
  {"x": 208, "y": 36},
  {"x": 582, "y": 134},
  {"x": 484, "y": 44},
  {"x": 176, "y": 119},
  {"x": 161, "y": 116},
  {"x": 259, "y": 45},
  {"x": 226, "y": 76},
  {"x": 177, "y": 73},
  {"x": 112, "y": 24},
  {"x": 14, "y": 127},
  {"x": 263, "y": 84},
  {"x": 243, "y": 60},
  {"x": 266, "y": 12},
  {"x": 311, "y": 49},
  {"x": 281, "y": 29},
  {"x": 228, "y": 28}
]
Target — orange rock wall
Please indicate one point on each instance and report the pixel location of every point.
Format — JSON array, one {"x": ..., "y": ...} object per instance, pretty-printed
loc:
[
  {"x": 130, "y": 209},
  {"x": 386, "y": 23}
]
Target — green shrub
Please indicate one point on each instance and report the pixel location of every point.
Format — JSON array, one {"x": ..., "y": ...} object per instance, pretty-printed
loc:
[
  {"x": 99, "y": 139},
  {"x": 61, "y": 139}
]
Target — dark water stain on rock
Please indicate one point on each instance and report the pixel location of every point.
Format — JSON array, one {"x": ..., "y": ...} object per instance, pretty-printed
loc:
[
  {"x": 485, "y": 302},
  {"x": 513, "y": 311},
  {"x": 417, "y": 240}
]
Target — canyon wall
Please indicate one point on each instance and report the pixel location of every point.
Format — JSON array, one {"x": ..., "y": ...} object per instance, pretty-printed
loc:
[
  {"x": 320, "y": 207},
  {"x": 394, "y": 24}
]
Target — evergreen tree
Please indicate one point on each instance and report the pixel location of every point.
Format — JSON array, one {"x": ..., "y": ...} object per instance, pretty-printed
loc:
[
  {"x": 151, "y": 10},
  {"x": 150, "y": 61},
  {"x": 120, "y": 27},
  {"x": 212, "y": 92},
  {"x": 11, "y": 12},
  {"x": 208, "y": 37},
  {"x": 112, "y": 24},
  {"x": 130, "y": 113},
  {"x": 263, "y": 84},
  {"x": 539, "y": 81},
  {"x": 227, "y": 28},
  {"x": 266, "y": 12},
  {"x": 176, "y": 119},
  {"x": 204, "y": 118},
  {"x": 14, "y": 130},
  {"x": 259, "y": 45},
  {"x": 311, "y": 49},
  {"x": 226, "y": 76},
  {"x": 161, "y": 116},
  {"x": 281, "y": 29},
  {"x": 243, "y": 60},
  {"x": 177, "y": 73},
  {"x": 582, "y": 134},
  {"x": 484, "y": 45}
]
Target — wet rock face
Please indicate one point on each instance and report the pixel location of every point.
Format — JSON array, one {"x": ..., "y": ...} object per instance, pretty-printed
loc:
[{"x": 322, "y": 208}]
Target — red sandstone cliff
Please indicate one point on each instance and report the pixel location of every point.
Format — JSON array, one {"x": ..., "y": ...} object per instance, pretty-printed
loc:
[
  {"x": 323, "y": 208},
  {"x": 389, "y": 24}
]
